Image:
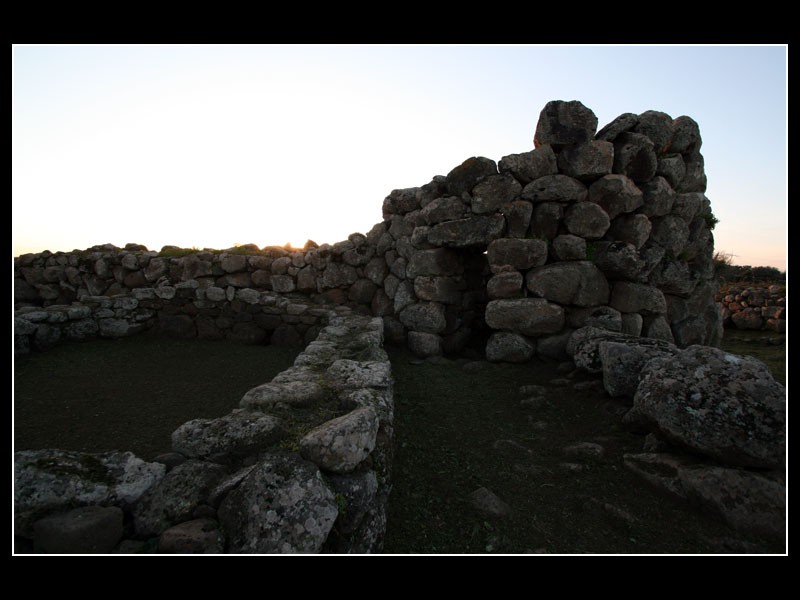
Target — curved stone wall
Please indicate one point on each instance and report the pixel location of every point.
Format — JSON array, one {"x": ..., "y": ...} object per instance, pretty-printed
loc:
[
  {"x": 605, "y": 228},
  {"x": 303, "y": 466}
]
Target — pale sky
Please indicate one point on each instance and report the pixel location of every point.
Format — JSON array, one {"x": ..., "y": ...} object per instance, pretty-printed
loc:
[{"x": 217, "y": 145}]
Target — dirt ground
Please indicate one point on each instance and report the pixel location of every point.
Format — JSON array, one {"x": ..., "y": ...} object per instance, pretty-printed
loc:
[{"x": 460, "y": 426}]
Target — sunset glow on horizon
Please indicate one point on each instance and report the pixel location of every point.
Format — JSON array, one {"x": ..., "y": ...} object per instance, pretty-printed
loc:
[{"x": 217, "y": 146}]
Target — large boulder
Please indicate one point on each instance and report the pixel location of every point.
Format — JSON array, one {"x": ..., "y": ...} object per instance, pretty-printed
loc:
[
  {"x": 509, "y": 347},
  {"x": 587, "y": 161},
  {"x": 717, "y": 404},
  {"x": 281, "y": 506},
  {"x": 635, "y": 156},
  {"x": 555, "y": 188},
  {"x": 341, "y": 444},
  {"x": 238, "y": 433},
  {"x": 531, "y": 165},
  {"x": 579, "y": 283},
  {"x": 51, "y": 481},
  {"x": 617, "y": 194},
  {"x": 521, "y": 254},
  {"x": 468, "y": 174},
  {"x": 587, "y": 220},
  {"x": 563, "y": 123},
  {"x": 493, "y": 192},
  {"x": 463, "y": 233},
  {"x": 529, "y": 316},
  {"x": 749, "y": 502},
  {"x": 175, "y": 497}
]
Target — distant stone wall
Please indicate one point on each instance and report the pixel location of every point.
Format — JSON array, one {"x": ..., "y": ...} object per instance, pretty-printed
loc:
[
  {"x": 183, "y": 311},
  {"x": 754, "y": 307},
  {"x": 303, "y": 466},
  {"x": 606, "y": 228}
]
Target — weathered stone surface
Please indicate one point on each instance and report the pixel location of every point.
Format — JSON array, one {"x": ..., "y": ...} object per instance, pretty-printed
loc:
[
  {"x": 587, "y": 220},
  {"x": 629, "y": 297},
  {"x": 748, "y": 318},
  {"x": 281, "y": 506},
  {"x": 634, "y": 156},
  {"x": 114, "y": 328},
  {"x": 50, "y": 481},
  {"x": 338, "y": 275},
  {"x": 618, "y": 260},
  {"x": 562, "y": 123},
  {"x": 529, "y": 316},
  {"x": 404, "y": 296},
  {"x": 688, "y": 206},
  {"x": 658, "y": 328},
  {"x": 438, "y": 261},
  {"x": 424, "y": 344},
  {"x": 747, "y": 501},
  {"x": 507, "y": 284},
  {"x": 173, "y": 499},
  {"x": 616, "y": 194},
  {"x": 300, "y": 393},
  {"x": 233, "y": 263},
  {"x": 493, "y": 192},
  {"x": 488, "y": 502},
  {"x": 509, "y": 347},
  {"x": 285, "y": 283},
  {"x": 587, "y": 161},
  {"x": 674, "y": 277},
  {"x": 238, "y": 433},
  {"x": 357, "y": 493},
  {"x": 437, "y": 289},
  {"x": 199, "y": 536},
  {"x": 546, "y": 220},
  {"x": 622, "y": 363},
  {"x": 468, "y": 174},
  {"x": 658, "y": 197},
  {"x": 341, "y": 444},
  {"x": 447, "y": 208},
  {"x": 695, "y": 178},
  {"x": 671, "y": 233},
  {"x": 624, "y": 122},
  {"x": 247, "y": 295},
  {"x": 672, "y": 169},
  {"x": 657, "y": 126},
  {"x": 521, "y": 254},
  {"x": 362, "y": 291},
  {"x": 463, "y": 233},
  {"x": 603, "y": 317},
  {"x": 518, "y": 217},
  {"x": 579, "y": 283},
  {"x": 85, "y": 530},
  {"x": 631, "y": 229},
  {"x": 427, "y": 317},
  {"x": 375, "y": 270},
  {"x": 555, "y": 188},
  {"x": 686, "y": 135},
  {"x": 569, "y": 247},
  {"x": 400, "y": 202},
  {"x": 531, "y": 165},
  {"x": 717, "y": 404},
  {"x": 346, "y": 374}
]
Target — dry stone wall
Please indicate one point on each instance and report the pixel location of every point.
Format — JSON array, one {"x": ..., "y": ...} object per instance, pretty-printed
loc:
[
  {"x": 303, "y": 466},
  {"x": 754, "y": 307},
  {"x": 608, "y": 228}
]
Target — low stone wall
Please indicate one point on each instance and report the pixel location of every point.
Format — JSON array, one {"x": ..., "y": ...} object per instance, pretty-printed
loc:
[
  {"x": 304, "y": 465},
  {"x": 754, "y": 307},
  {"x": 185, "y": 310}
]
